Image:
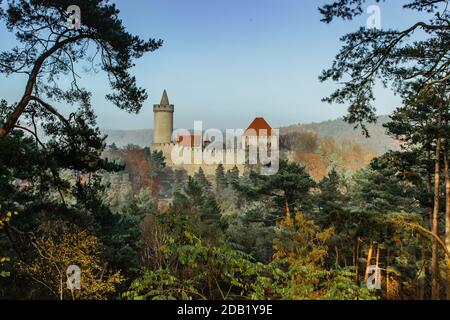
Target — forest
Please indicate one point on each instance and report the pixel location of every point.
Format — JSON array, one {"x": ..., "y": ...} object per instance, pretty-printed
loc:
[{"x": 140, "y": 230}]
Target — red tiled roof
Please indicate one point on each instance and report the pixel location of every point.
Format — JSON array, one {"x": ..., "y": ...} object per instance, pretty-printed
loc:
[
  {"x": 260, "y": 127},
  {"x": 190, "y": 141}
]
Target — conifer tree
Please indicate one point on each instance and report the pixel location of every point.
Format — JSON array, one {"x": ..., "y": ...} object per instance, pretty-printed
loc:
[
  {"x": 394, "y": 57},
  {"x": 221, "y": 181}
]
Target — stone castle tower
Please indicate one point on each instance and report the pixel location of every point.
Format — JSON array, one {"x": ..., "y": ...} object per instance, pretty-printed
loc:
[
  {"x": 163, "y": 122},
  {"x": 163, "y": 114}
]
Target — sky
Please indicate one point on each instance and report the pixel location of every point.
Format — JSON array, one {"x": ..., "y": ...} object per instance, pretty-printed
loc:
[{"x": 225, "y": 62}]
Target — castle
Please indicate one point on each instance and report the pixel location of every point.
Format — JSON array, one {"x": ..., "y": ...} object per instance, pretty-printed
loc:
[{"x": 164, "y": 142}]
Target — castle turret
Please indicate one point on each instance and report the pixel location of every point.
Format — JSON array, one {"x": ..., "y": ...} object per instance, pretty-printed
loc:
[{"x": 163, "y": 121}]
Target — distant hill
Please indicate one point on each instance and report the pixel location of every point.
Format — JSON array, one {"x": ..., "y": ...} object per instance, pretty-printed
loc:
[
  {"x": 338, "y": 129},
  {"x": 122, "y": 138},
  {"x": 341, "y": 131}
]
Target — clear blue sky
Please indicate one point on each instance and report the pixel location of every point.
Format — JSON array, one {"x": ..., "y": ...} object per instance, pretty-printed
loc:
[{"x": 228, "y": 61}]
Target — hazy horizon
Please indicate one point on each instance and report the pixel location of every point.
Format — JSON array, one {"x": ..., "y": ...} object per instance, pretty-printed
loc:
[{"x": 244, "y": 127}]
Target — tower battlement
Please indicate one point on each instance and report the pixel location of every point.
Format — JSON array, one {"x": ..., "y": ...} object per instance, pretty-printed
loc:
[{"x": 161, "y": 108}]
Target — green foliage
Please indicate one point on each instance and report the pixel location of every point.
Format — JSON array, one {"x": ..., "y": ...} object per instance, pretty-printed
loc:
[
  {"x": 49, "y": 40},
  {"x": 156, "y": 163},
  {"x": 232, "y": 175},
  {"x": 200, "y": 202},
  {"x": 181, "y": 252},
  {"x": 301, "y": 249},
  {"x": 221, "y": 180},
  {"x": 46, "y": 185},
  {"x": 202, "y": 182},
  {"x": 331, "y": 200},
  {"x": 291, "y": 184},
  {"x": 59, "y": 179},
  {"x": 394, "y": 57},
  {"x": 194, "y": 270},
  {"x": 302, "y": 283},
  {"x": 160, "y": 285},
  {"x": 201, "y": 271},
  {"x": 4, "y": 274},
  {"x": 375, "y": 194},
  {"x": 5, "y": 218}
]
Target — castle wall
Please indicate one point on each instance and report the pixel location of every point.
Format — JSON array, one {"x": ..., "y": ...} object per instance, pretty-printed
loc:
[{"x": 209, "y": 169}]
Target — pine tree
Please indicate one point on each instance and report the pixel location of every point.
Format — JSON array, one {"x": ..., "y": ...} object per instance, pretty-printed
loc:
[
  {"x": 232, "y": 175},
  {"x": 221, "y": 181},
  {"x": 47, "y": 48},
  {"x": 422, "y": 125},
  {"x": 392, "y": 56},
  {"x": 202, "y": 180},
  {"x": 156, "y": 165},
  {"x": 331, "y": 200}
]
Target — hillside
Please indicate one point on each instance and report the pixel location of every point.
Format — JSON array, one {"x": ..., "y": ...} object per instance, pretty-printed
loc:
[
  {"x": 122, "y": 138},
  {"x": 341, "y": 132}
]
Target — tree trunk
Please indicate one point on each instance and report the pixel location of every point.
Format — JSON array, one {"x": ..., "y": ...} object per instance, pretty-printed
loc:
[
  {"x": 377, "y": 263},
  {"x": 356, "y": 260},
  {"x": 435, "y": 224},
  {"x": 287, "y": 211},
  {"x": 336, "y": 250},
  {"x": 447, "y": 218},
  {"x": 430, "y": 190},
  {"x": 31, "y": 82},
  {"x": 369, "y": 259},
  {"x": 378, "y": 256}
]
